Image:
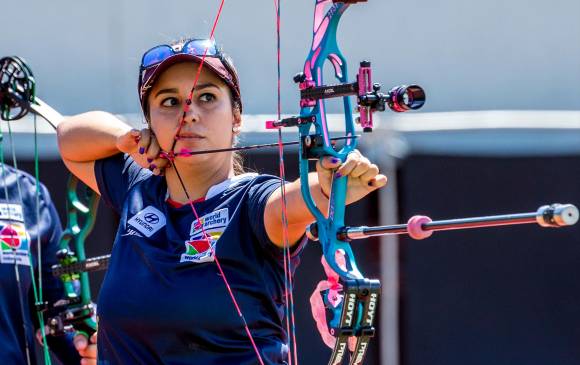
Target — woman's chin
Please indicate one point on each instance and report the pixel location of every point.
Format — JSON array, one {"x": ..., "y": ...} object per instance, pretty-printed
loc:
[
  {"x": 189, "y": 148},
  {"x": 205, "y": 160}
]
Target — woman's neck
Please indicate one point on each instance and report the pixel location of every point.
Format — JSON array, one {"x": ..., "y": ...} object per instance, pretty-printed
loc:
[{"x": 197, "y": 181}]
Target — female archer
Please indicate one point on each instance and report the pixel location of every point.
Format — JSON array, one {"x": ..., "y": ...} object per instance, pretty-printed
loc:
[{"x": 196, "y": 274}]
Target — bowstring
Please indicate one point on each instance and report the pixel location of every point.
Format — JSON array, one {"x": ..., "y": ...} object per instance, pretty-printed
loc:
[
  {"x": 206, "y": 236},
  {"x": 36, "y": 288},
  {"x": 288, "y": 283},
  {"x": 39, "y": 298}
]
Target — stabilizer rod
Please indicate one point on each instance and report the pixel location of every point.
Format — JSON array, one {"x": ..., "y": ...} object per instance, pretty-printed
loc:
[{"x": 420, "y": 227}]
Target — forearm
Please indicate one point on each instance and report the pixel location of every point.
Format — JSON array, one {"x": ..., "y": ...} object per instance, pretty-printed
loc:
[
  {"x": 298, "y": 214},
  {"x": 90, "y": 136}
]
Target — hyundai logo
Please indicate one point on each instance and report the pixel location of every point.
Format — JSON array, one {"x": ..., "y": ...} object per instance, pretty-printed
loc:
[{"x": 151, "y": 218}]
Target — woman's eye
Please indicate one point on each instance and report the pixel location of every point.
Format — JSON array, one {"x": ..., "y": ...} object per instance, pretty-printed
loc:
[
  {"x": 207, "y": 97},
  {"x": 169, "y": 102}
]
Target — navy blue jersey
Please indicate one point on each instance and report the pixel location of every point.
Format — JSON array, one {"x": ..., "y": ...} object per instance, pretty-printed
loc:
[
  {"x": 20, "y": 230},
  {"x": 163, "y": 300}
]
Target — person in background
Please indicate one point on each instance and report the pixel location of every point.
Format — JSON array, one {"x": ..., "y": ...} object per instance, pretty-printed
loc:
[{"x": 22, "y": 233}]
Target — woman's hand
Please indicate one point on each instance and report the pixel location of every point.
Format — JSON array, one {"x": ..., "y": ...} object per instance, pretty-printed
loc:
[
  {"x": 363, "y": 176},
  {"x": 144, "y": 148},
  {"x": 88, "y": 351}
]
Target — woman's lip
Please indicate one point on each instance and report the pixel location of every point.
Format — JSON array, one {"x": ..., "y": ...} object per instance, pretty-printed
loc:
[{"x": 187, "y": 135}]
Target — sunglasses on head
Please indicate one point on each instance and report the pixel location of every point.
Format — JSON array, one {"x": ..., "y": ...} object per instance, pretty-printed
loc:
[{"x": 194, "y": 47}]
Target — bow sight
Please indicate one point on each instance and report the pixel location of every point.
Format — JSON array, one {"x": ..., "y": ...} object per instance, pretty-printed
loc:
[{"x": 399, "y": 99}]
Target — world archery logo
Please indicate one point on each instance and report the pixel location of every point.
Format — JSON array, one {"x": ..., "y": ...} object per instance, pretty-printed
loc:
[
  {"x": 204, "y": 235},
  {"x": 14, "y": 243}
]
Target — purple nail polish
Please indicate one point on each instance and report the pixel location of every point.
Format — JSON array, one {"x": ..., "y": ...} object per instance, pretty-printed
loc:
[
  {"x": 335, "y": 160},
  {"x": 153, "y": 166},
  {"x": 149, "y": 160},
  {"x": 141, "y": 150},
  {"x": 338, "y": 175}
]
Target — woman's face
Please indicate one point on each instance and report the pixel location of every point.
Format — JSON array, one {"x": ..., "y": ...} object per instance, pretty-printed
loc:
[{"x": 209, "y": 120}]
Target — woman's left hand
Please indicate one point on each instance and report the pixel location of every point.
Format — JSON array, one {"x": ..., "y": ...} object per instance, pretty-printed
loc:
[
  {"x": 87, "y": 348},
  {"x": 363, "y": 176}
]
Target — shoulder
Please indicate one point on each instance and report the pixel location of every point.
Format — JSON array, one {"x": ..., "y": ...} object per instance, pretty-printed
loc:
[
  {"x": 251, "y": 183},
  {"x": 9, "y": 172},
  {"x": 118, "y": 175},
  {"x": 259, "y": 179},
  {"x": 250, "y": 188},
  {"x": 25, "y": 199},
  {"x": 11, "y": 177}
]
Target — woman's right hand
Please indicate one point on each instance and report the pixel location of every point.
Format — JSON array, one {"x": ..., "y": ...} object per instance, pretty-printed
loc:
[{"x": 144, "y": 149}]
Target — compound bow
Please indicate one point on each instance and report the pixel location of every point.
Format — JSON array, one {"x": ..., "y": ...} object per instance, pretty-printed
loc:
[
  {"x": 75, "y": 311},
  {"x": 353, "y": 311},
  {"x": 353, "y": 315}
]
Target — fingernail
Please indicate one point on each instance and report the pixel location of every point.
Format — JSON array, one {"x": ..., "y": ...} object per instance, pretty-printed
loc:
[
  {"x": 80, "y": 343},
  {"x": 149, "y": 160},
  {"x": 338, "y": 175},
  {"x": 153, "y": 166},
  {"x": 335, "y": 160},
  {"x": 141, "y": 150}
]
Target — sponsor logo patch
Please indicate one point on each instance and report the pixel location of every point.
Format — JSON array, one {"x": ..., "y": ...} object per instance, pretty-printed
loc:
[
  {"x": 14, "y": 243},
  {"x": 148, "y": 221},
  {"x": 11, "y": 212},
  {"x": 200, "y": 248}
]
